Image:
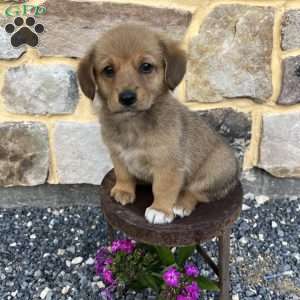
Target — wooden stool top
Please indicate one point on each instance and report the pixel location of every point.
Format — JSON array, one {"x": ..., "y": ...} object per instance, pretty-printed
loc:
[{"x": 207, "y": 220}]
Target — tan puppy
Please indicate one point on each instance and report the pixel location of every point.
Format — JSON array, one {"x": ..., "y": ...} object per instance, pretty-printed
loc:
[{"x": 150, "y": 135}]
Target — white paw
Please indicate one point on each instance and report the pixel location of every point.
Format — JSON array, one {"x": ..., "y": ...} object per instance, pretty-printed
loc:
[
  {"x": 157, "y": 217},
  {"x": 181, "y": 211}
]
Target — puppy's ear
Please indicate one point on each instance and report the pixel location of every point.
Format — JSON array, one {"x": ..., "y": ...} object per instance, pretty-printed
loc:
[
  {"x": 175, "y": 62},
  {"x": 86, "y": 76}
]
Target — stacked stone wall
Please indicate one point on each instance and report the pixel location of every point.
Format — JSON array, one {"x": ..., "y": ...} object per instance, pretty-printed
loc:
[{"x": 243, "y": 76}]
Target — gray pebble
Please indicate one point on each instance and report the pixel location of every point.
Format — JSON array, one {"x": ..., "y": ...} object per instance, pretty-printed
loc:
[
  {"x": 71, "y": 249},
  {"x": 34, "y": 270},
  {"x": 37, "y": 274}
]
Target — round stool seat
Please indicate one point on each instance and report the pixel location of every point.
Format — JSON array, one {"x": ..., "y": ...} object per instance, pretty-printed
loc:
[{"x": 207, "y": 221}]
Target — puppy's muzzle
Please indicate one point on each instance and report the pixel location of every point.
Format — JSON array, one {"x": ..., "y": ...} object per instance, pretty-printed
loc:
[{"x": 127, "y": 98}]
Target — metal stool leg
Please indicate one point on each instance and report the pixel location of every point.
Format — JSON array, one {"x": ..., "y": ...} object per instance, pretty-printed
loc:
[
  {"x": 224, "y": 258},
  {"x": 110, "y": 233}
]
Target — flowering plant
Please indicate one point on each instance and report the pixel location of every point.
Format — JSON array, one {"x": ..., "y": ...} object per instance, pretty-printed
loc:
[{"x": 129, "y": 265}]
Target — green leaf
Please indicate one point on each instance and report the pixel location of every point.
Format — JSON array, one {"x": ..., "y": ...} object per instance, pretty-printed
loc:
[
  {"x": 183, "y": 254},
  {"x": 207, "y": 284},
  {"x": 166, "y": 256},
  {"x": 152, "y": 282},
  {"x": 136, "y": 286},
  {"x": 158, "y": 279},
  {"x": 149, "y": 281}
]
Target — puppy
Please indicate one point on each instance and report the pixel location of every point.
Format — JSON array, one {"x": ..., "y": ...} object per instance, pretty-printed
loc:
[{"x": 149, "y": 134}]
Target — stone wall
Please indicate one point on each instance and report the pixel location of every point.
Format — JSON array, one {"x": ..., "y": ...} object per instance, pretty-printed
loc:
[{"x": 243, "y": 77}]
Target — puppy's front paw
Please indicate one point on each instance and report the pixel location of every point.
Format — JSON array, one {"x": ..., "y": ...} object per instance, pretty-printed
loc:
[
  {"x": 155, "y": 216},
  {"x": 181, "y": 211},
  {"x": 122, "y": 196}
]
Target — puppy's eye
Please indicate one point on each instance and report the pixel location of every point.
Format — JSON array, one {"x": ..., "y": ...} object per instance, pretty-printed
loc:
[
  {"x": 109, "y": 71},
  {"x": 146, "y": 68}
]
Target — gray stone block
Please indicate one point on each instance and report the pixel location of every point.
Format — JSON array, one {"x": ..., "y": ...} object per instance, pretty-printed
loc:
[
  {"x": 41, "y": 89},
  {"x": 234, "y": 126},
  {"x": 280, "y": 144},
  {"x": 290, "y": 30},
  {"x": 259, "y": 182},
  {"x": 229, "y": 123},
  {"x": 231, "y": 55},
  {"x": 50, "y": 195},
  {"x": 81, "y": 156},
  {"x": 24, "y": 157},
  {"x": 290, "y": 90},
  {"x": 72, "y": 26}
]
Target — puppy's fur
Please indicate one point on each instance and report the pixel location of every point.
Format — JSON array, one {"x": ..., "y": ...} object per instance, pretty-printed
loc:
[{"x": 157, "y": 139}]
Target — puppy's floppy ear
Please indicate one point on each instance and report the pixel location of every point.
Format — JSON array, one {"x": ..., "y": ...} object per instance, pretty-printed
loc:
[
  {"x": 86, "y": 75},
  {"x": 175, "y": 62}
]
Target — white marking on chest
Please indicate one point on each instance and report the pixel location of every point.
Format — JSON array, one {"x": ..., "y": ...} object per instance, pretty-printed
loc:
[
  {"x": 132, "y": 156},
  {"x": 136, "y": 162}
]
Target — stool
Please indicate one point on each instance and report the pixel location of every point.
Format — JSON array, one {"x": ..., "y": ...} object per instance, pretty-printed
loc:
[{"x": 207, "y": 221}]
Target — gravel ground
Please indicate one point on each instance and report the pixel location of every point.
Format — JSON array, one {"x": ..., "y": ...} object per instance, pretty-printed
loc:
[{"x": 48, "y": 253}]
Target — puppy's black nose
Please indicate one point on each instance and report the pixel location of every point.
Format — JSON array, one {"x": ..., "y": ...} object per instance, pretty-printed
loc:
[{"x": 127, "y": 98}]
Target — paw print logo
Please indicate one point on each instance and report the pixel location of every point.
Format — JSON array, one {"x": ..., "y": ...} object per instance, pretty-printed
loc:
[{"x": 24, "y": 34}]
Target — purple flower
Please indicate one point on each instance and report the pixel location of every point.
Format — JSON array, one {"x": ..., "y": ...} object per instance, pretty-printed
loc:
[
  {"x": 107, "y": 276},
  {"x": 115, "y": 247},
  {"x": 171, "y": 277},
  {"x": 107, "y": 293},
  {"x": 101, "y": 258},
  {"x": 126, "y": 246},
  {"x": 191, "y": 270},
  {"x": 108, "y": 261},
  {"x": 193, "y": 290},
  {"x": 102, "y": 253}
]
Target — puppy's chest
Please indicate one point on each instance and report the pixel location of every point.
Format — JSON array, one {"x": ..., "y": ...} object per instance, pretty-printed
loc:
[{"x": 136, "y": 160}]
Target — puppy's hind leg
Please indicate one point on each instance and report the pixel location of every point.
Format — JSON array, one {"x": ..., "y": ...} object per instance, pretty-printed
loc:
[{"x": 187, "y": 202}]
